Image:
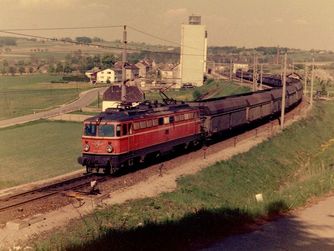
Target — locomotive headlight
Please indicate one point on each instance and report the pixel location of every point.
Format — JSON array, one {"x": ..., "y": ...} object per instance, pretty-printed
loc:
[
  {"x": 109, "y": 148},
  {"x": 86, "y": 148}
]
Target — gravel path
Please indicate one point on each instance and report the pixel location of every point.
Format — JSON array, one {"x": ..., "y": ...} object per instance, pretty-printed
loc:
[
  {"x": 309, "y": 229},
  {"x": 85, "y": 98}
]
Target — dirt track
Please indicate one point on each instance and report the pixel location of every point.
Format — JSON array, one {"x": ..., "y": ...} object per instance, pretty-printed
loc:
[{"x": 308, "y": 229}]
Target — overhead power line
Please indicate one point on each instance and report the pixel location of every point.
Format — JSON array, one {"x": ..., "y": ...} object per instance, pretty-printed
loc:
[
  {"x": 64, "y": 28},
  {"x": 90, "y": 44},
  {"x": 159, "y": 38}
]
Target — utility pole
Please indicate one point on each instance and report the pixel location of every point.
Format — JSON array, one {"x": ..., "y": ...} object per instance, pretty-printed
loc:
[
  {"x": 312, "y": 82},
  {"x": 283, "y": 92},
  {"x": 261, "y": 75},
  {"x": 123, "y": 87},
  {"x": 242, "y": 76},
  {"x": 231, "y": 68},
  {"x": 305, "y": 78},
  {"x": 254, "y": 74}
]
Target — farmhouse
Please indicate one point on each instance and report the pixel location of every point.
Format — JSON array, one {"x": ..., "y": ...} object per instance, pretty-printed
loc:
[
  {"x": 101, "y": 76},
  {"x": 112, "y": 96}
]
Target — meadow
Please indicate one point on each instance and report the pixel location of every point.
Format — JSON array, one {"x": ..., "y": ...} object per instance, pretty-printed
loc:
[
  {"x": 38, "y": 150},
  {"x": 21, "y": 95}
]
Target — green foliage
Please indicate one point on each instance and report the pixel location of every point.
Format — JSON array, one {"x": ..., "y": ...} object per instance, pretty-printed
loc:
[
  {"x": 196, "y": 94},
  {"x": 84, "y": 40}
]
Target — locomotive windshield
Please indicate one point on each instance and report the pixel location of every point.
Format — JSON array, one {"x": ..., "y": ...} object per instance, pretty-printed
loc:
[
  {"x": 106, "y": 130},
  {"x": 90, "y": 130}
]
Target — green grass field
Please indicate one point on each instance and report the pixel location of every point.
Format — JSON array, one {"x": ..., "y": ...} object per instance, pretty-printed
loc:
[
  {"x": 288, "y": 170},
  {"x": 21, "y": 95},
  {"x": 38, "y": 150},
  {"x": 214, "y": 88}
]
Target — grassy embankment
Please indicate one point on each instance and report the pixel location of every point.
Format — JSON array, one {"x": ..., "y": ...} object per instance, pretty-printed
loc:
[
  {"x": 38, "y": 150},
  {"x": 289, "y": 169},
  {"x": 213, "y": 89},
  {"x": 22, "y": 95}
]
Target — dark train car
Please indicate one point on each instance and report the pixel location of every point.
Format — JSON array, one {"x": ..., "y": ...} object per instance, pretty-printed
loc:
[
  {"x": 291, "y": 95},
  {"x": 259, "y": 105},
  {"x": 276, "y": 94},
  {"x": 222, "y": 114}
]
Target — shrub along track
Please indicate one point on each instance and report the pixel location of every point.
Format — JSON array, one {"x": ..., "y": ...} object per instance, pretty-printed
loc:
[{"x": 54, "y": 196}]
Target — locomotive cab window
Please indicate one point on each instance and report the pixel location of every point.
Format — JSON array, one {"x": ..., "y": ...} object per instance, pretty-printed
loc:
[
  {"x": 171, "y": 119},
  {"x": 106, "y": 130},
  {"x": 125, "y": 129},
  {"x": 166, "y": 120},
  {"x": 118, "y": 130},
  {"x": 90, "y": 130},
  {"x": 161, "y": 121},
  {"x": 130, "y": 128}
]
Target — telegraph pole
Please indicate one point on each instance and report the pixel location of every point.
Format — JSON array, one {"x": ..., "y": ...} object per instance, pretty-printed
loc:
[
  {"x": 261, "y": 75},
  {"x": 283, "y": 92},
  {"x": 312, "y": 82},
  {"x": 231, "y": 68},
  {"x": 254, "y": 74},
  {"x": 123, "y": 87},
  {"x": 305, "y": 78}
]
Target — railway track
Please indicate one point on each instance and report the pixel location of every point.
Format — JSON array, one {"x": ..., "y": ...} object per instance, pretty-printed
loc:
[{"x": 16, "y": 200}]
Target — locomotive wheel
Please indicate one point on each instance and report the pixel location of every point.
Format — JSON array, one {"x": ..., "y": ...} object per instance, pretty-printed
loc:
[
  {"x": 107, "y": 170},
  {"x": 89, "y": 169}
]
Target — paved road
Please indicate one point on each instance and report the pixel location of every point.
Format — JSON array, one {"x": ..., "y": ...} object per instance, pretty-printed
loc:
[
  {"x": 85, "y": 98},
  {"x": 310, "y": 229}
]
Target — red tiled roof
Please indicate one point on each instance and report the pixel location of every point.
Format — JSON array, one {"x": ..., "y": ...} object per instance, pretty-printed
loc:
[{"x": 133, "y": 94}]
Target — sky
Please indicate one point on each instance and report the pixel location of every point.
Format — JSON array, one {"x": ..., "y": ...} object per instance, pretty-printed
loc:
[{"x": 304, "y": 24}]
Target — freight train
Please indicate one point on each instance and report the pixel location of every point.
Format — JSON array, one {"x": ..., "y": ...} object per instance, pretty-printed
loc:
[{"x": 122, "y": 137}]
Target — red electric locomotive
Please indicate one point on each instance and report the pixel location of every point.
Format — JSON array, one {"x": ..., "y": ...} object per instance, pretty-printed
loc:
[{"x": 122, "y": 137}]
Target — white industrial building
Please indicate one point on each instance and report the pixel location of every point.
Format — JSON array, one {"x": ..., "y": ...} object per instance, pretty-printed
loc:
[{"x": 193, "y": 51}]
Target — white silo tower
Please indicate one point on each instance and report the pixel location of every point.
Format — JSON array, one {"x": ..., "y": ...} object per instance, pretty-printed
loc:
[{"x": 193, "y": 51}]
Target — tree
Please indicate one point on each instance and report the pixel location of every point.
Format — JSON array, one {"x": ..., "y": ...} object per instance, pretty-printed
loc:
[
  {"x": 3, "y": 70},
  {"x": 108, "y": 61},
  {"x": 31, "y": 70},
  {"x": 5, "y": 63},
  {"x": 59, "y": 68},
  {"x": 51, "y": 69},
  {"x": 83, "y": 40},
  {"x": 12, "y": 70},
  {"x": 22, "y": 70},
  {"x": 67, "y": 69}
]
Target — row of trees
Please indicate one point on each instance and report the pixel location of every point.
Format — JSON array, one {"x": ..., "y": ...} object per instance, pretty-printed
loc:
[{"x": 12, "y": 70}]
